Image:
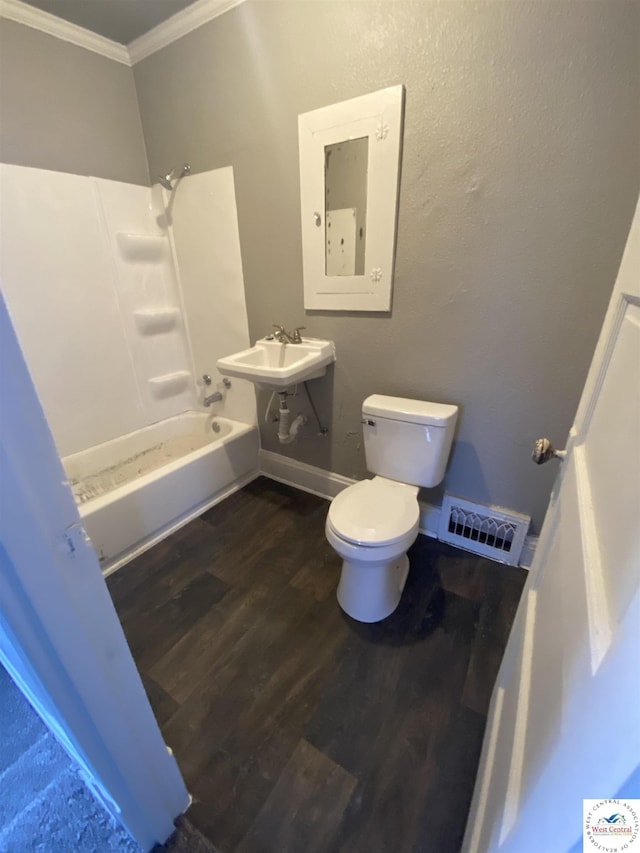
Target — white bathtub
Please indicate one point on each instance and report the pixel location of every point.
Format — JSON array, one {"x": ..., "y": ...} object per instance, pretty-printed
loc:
[{"x": 137, "y": 489}]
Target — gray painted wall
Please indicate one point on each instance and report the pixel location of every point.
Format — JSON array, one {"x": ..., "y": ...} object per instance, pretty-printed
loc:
[
  {"x": 520, "y": 174},
  {"x": 519, "y": 178},
  {"x": 67, "y": 109}
]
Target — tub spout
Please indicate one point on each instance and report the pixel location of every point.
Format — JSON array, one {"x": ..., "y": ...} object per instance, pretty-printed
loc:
[{"x": 212, "y": 398}]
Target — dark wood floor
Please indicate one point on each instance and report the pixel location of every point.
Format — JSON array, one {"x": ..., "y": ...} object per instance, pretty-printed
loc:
[{"x": 296, "y": 728}]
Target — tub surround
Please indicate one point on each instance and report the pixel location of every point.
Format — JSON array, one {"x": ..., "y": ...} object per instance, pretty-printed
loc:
[
  {"x": 101, "y": 259},
  {"x": 145, "y": 279},
  {"x": 116, "y": 333},
  {"x": 204, "y": 227}
]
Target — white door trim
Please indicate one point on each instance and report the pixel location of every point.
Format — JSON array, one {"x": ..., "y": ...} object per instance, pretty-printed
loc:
[{"x": 59, "y": 633}]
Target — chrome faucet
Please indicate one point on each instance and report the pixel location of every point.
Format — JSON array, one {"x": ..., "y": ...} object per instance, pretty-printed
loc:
[
  {"x": 285, "y": 337},
  {"x": 217, "y": 395}
]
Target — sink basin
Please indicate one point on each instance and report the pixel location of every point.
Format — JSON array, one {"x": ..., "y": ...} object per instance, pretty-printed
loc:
[{"x": 274, "y": 365}]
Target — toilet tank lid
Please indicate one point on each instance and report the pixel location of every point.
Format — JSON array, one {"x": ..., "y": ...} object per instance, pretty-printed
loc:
[{"x": 414, "y": 411}]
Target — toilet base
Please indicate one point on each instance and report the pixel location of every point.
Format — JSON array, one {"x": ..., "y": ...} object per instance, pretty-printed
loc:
[{"x": 369, "y": 592}]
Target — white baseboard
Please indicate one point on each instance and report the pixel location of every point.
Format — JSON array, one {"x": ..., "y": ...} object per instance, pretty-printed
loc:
[
  {"x": 326, "y": 484},
  {"x": 317, "y": 481},
  {"x": 528, "y": 551},
  {"x": 429, "y": 519}
]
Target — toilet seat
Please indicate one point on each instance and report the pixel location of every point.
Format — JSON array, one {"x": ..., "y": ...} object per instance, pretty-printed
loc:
[{"x": 375, "y": 513}]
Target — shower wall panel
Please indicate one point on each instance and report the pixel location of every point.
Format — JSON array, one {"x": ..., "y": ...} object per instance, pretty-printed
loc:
[
  {"x": 81, "y": 261},
  {"x": 57, "y": 276},
  {"x": 148, "y": 293},
  {"x": 112, "y": 330},
  {"x": 207, "y": 245}
]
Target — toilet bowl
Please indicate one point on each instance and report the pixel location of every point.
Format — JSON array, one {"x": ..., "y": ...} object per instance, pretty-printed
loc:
[{"x": 372, "y": 523}]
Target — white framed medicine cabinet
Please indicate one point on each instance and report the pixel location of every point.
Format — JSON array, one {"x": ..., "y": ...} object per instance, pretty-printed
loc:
[{"x": 349, "y": 173}]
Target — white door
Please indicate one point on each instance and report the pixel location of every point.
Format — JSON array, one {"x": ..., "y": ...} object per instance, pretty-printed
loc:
[
  {"x": 564, "y": 722},
  {"x": 60, "y": 637}
]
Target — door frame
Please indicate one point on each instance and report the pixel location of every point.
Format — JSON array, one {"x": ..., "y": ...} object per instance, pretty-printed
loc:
[{"x": 60, "y": 637}]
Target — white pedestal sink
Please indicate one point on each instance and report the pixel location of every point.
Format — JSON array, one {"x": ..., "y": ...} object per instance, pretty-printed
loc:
[{"x": 276, "y": 365}]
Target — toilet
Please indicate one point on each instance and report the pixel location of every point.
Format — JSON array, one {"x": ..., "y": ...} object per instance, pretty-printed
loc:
[{"x": 372, "y": 523}]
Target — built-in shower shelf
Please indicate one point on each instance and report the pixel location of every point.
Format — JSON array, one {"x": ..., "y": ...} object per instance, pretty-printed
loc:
[
  {"x": 170, "y": 384},
  {"x": 142, "y": 247},
  {"x": 156, "y": 321}
]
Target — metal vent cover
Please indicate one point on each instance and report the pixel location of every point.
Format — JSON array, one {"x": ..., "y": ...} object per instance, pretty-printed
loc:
[{"x": 485, "y": 530}]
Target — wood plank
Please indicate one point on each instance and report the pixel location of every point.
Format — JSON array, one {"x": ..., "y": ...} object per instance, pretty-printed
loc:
[
  {"x": 445, "y": 802},
  {"x": 318, "y": 565},
  {"x": 186, "y": 839},
  {"x": 502, "y": 589},
  {"x": 253, "y": 549},
  {"x": 380, "y": 681},
  {"x": 187, "y": 666},
  {"x": 265, "y": 538},
  {"x": 152, "y": 632},
  {"x": 158, "y": 565},
  {"x": 164, "y": 707},
  {"x": 267, "y": 723},
  {"x": 233, "y": 682},
  {"x": 305, "y": 809},
  {"x": 459, "y": 572}
]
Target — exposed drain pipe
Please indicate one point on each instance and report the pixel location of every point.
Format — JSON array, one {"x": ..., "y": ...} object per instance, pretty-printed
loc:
[{"x": 288, "y": 429}]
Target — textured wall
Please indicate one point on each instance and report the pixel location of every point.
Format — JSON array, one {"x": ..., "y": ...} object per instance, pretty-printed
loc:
[
  {"x": 67, "y": 109},
  {"x": 520, "y": 174}
]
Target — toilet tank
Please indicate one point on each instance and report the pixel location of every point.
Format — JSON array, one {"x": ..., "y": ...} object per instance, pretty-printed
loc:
[{"x": 408, "y": 440}]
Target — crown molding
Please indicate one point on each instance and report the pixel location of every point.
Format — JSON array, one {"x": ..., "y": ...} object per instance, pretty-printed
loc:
[
  {"x": 164, "y": 34},
  {"x": 178, "y": 25},
  {"x": 22, "y": 13}
]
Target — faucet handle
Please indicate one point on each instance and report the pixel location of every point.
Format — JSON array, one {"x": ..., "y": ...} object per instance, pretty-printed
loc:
[{"x": 295, "y": 335}]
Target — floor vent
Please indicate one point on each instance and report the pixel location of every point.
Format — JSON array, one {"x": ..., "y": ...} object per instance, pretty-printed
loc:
[{"x": 482, "y": 529}]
